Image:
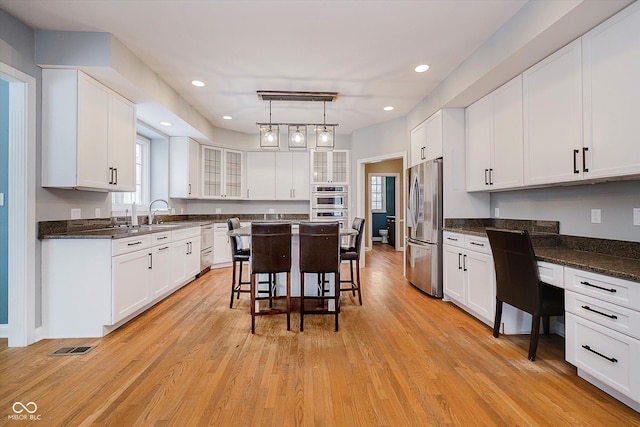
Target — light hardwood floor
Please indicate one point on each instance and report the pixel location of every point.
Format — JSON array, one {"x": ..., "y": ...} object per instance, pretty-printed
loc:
[{"x": 400, "y": 359}]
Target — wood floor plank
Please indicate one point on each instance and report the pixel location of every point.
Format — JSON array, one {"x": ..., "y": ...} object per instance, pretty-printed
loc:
[{"x": 401, "y": 359}]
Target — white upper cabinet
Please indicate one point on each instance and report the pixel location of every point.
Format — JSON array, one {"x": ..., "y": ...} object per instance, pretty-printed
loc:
[
  {"x": 611, "y": 94},
  {"x": 292, "y": 175},
  {"x": 184, "y": 162},
  {"x": 261, "y": 176},
  {"x": 88, "y": 134},
  {"x": 330, "y": 167},
  {"x": 426, "y": 140},
  {"x": 418, "y": 144},
  {"x": 221, "y": 173},
  {"x": 433, "y": 128},
  {"x": 552, "y": 92},
  {"x": 494, "y": 139}
]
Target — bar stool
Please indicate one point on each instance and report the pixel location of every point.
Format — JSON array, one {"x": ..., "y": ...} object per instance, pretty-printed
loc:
[
  {"x": 270, "y": 254},
  {"x": 319, "y": 254},
  {"x": 239, "y": 254},
  {"x": 351, "y": 253}
]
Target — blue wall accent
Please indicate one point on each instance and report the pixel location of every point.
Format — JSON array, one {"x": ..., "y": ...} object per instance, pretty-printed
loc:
[
  {"x": 4, "y": 184},
  {"x": 379, "y": 220}
]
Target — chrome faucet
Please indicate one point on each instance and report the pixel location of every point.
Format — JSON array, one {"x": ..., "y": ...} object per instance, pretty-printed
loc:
[{"x": 152, "y": 213}]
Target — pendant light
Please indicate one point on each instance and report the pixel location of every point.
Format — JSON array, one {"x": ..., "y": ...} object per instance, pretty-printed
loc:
[
  {"x": 324, "y": 134},
  {"x": 297, "y": 137},
  {"x": 269, "y": 134}
]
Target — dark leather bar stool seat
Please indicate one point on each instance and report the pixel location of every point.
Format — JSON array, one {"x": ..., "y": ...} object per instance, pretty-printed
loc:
[
  {"x": 351, "y": 253},
  {"x": 518, "y": 282},
  {"x": 270, "y": 254},
  {"x": 240, "y": 254},
  {"x": 319, "y": 254}
]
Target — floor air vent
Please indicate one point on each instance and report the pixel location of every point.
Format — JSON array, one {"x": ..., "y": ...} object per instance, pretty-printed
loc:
[{"x": 70, "y": 351}]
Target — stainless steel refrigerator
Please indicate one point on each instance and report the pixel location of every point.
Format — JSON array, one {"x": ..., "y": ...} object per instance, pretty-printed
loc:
[{"x": 423, "y": 252}]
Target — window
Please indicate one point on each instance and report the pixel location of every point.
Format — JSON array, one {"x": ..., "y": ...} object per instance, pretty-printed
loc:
[
  {"x": 378, "y": 202},
  {"x": 122, "y": 201}
]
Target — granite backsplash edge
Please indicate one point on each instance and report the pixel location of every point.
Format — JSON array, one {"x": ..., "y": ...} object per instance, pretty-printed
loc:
[{"x": 619, "y": 248}]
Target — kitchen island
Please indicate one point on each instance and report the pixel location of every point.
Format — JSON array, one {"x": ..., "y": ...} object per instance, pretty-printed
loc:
[{"x": 310, "y": 279}]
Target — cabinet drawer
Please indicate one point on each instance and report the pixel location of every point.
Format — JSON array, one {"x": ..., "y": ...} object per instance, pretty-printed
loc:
[
  {"x": 613, "y": 316},
  {"x": 552, "y": 274},
  {"x": 160, "y": 238},
  {"x": 130, "y": 244},
  {"x": 606, "y": 288},
  {"x": 605, "y": 354},
  {"x": 478, "y": 244},
  {"x": 453, "y": 239},
  {"x": 185, "y": 233}
]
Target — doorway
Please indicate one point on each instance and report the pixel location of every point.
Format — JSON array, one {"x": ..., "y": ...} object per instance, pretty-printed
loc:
[
  {"x": 388, "y": 165},
  {"x": 383, "y": 202}
]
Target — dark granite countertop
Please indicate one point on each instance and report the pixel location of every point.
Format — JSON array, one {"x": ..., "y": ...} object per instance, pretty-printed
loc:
[
  {"x": 103, "y": 228},
  {"x": 123, "y": 232},
  {"x": 614, "y": 258}
]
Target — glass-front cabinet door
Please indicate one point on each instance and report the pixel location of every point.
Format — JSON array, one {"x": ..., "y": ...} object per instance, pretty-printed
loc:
[
  {"x": 211, "y": 172},
  {"x": 233, "y": 174},
  {"x": 221, "y": 173},
  {"x": 330, "y": 167}
]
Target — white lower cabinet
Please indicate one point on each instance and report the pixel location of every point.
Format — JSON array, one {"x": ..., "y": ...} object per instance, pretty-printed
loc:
[
  {"x": 131, "y": 280},
  {"x": 469, "y": 278},
  {"x": 603, "y": 332},
  {"x": 92, "y": 286},
  {"x": 221, "y": 246}
]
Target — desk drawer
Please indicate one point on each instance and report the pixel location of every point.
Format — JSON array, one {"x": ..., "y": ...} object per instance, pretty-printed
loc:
[
  {"x": 612, "y": 316},
  {"x": 130, "y": 244},
  {"x": 605, "y": 354},
  {"x": 606, "y": 288}
]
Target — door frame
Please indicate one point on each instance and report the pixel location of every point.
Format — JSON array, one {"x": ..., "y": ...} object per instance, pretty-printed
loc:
[
  {"x": 21, "y": 207},
  {"x": 396, "y": 203},
  {"x": 361, "y": 187}
]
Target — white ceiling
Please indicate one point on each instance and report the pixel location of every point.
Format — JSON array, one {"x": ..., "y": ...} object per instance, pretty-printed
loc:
[{"x": 364, "y": 50}]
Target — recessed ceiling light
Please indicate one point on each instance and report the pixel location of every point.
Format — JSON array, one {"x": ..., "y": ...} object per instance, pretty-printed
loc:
[
  {"x": 388, "y": 108},
  {"x": 227, "y": 117},
  {"x": 166, "y": 123},
  {"x": 421, "y": 68},
  {"x": 197, "y": 83}
]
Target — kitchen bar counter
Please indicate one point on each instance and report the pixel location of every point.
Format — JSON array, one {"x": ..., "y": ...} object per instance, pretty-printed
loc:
[{"x": 614, "y": 258}]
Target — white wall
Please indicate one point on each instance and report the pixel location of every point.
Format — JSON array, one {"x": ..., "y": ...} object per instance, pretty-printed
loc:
[{"x": 572, "y": 207}]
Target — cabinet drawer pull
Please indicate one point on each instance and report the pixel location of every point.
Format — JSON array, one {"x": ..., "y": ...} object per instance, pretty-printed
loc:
[
  {"x": 584, "y": 159},
  {"x": 491, "y": 176},
  {"x": 115, "y": 181},
  {"x": 575, "y": 161},
  {"x": 452, "y": 238},
  {"x": 162, "y": 238},
  {"x": 162, "y": 249},
  {"x": 610, "y": 316},
  {"x": 459, "y": 261},
  {"x": 133, "y": 244},
  {"x": 477, "y": 244},
  {"x": 613, "y": 291},
  {"x": 150, "y": 261},
  {"x": 486, "y": 179},
  {"x": 464, "y": 262},
  {"x": 610, "y": 359}
]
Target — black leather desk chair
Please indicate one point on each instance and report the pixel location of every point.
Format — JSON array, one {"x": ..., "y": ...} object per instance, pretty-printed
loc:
[
  {"x": 518, "y": 282},
  {"x": 351, "y": 253},
  {"x": 239, "y": 256},
  {"x": 319, "y": 254},
  {"x": 270, "y": 254}
]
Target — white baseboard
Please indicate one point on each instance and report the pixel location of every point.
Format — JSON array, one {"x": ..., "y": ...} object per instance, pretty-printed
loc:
[
  {"x": 376, "y": 239},
  {"x": 4, "y": 330}
]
